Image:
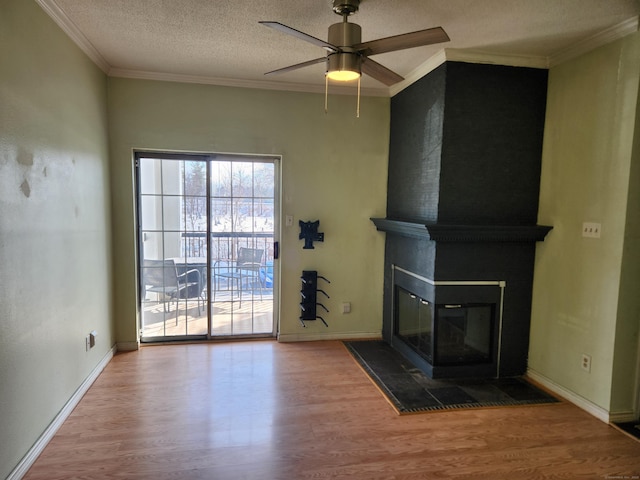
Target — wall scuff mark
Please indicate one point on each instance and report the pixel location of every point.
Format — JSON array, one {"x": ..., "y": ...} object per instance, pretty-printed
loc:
[{"x": 26, "y": 189}]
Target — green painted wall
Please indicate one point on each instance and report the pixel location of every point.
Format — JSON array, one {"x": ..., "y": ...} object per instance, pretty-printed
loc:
[
  {"x": 55, "y": 284},
  {"x": 625, "y": 369},
  {"x": 581, "y": 303},
  {"x": 58, "y": 149},
  {"x": 334, "y": 168}
]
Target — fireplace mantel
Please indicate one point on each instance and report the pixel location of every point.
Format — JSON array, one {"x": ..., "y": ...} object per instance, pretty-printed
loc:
[{"x": 462, "y": 233}]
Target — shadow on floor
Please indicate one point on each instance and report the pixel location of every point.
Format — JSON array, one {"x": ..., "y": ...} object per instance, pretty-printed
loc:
[{"x": 632, "y": 428}]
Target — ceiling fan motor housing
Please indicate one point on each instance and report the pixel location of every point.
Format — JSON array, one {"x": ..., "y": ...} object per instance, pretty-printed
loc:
[{"x": 344, "y": 35}]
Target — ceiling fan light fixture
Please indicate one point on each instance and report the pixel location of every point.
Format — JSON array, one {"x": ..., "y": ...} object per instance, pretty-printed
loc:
[
  {"x": 343, "y": 75},
  {"x": 343, "y": 66}
]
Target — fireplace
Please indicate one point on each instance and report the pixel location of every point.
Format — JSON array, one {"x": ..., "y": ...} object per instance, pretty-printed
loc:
[
  {"x": 463, "y": 184},
  {"x": 446, "y": 338}
]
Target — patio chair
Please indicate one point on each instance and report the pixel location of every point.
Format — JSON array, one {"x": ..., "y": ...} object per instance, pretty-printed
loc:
[
  {"x": 161, "y": 277},
  {"x": 245, "y": 272}
]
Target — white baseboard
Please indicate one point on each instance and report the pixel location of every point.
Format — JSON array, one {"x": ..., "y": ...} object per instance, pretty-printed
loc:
[
  {"x": 127, "y": 346},
  {"x": 310, "y": 337},
  {"x": 37, "y": 448},
  {"x": 621, "y": 417},
  {"x": 588, "y": 406}
]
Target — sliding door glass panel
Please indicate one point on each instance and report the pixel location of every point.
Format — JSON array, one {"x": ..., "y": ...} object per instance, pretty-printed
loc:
[
  {"x": 173, "y": 246},
  {"x": 242, "y": 239}
]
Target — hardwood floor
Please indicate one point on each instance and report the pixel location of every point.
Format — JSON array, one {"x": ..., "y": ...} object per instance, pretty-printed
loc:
[{"x": 264, "y": 410}]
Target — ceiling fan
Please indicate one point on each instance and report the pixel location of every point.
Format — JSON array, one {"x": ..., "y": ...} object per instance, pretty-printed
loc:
[{"x": 347, "y": 56}]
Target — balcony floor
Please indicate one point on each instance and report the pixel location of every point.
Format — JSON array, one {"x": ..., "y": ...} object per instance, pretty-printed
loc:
[{"x": 252, "y": 316}]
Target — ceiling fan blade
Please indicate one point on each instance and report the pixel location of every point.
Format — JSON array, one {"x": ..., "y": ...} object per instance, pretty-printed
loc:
[
  {"x": 380, "y": 72},
  {"x": 301, "y": 35},
  {"x": 297, "y": 66},
  {"x": 406, "y": 40}
]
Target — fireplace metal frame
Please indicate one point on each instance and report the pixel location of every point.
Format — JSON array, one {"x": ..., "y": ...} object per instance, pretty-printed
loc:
[{"x": 453, "y": 371}]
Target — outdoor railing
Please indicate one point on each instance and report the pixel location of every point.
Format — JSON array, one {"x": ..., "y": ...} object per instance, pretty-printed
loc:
[{"x": 225, "y": 245}]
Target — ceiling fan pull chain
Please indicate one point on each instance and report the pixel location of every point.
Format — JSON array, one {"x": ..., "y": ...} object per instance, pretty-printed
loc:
[
  {"x": 326, "y": 94},
  {"x": 358, "y": 103}
]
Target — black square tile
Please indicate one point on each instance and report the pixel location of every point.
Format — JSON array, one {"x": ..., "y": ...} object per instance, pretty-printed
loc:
[
  {"x": 452, "y": 396},
  {"x": 409, "y": 389},
  {"x": 520, "y": 390}
]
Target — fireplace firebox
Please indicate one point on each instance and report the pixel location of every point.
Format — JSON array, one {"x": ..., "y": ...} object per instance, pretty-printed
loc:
[
  {"x": 448, "y": 329},
  {"x": 445, "y": 334}
]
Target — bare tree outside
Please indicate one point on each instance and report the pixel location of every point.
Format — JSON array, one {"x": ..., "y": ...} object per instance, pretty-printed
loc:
[
  {"x": 195, "y": 191},
  {"x": 241, "y": 199}
]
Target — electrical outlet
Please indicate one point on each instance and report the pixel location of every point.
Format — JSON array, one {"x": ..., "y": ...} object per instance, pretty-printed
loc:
[
  {"x": 591, "y": 230},
  {"x": 346, "y": 307},
  {"x": 87, "y": 342},
  {"x": 586, "y": 362}
]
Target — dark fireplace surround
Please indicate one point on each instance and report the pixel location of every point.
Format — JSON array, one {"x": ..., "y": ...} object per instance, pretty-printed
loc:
[{"x": 464, "y": 178}]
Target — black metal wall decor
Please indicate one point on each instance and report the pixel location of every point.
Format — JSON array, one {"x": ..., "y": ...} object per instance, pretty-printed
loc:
[
  {"x": 309, "y": 294},
  {"x": 309, "y": 233}
]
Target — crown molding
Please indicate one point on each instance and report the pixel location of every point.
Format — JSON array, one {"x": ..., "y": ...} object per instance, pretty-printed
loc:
[
  {"x": 591, "y": 43},
  {"x": 256, "y": 84},
  {"x": 469, "y": 56},
  {"x": 52, "y": 9},
  {"x": 481, "y": 56},
  {"x": 425, "y": 68},
  {"x": 581, "y": 47}
]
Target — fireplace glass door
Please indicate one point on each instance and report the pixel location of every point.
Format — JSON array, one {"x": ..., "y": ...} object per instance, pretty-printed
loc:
[
  {"x": 415, "y": 323},
  {"x": 463, "y": 334},
  {"x": 443, "y": 334}
]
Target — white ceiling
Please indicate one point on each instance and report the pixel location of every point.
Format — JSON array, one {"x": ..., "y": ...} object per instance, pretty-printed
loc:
[{"x": 221, "y": 41}]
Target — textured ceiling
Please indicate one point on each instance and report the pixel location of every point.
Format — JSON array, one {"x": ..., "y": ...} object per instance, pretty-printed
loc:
[{"x": 221, "y": 41}]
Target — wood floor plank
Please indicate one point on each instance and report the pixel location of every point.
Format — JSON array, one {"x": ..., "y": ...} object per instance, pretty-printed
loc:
[{"x": 265, "y": 410}]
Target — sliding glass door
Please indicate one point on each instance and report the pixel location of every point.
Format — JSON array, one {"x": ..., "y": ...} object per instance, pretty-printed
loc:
[{"x": 207, "y": 245}]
